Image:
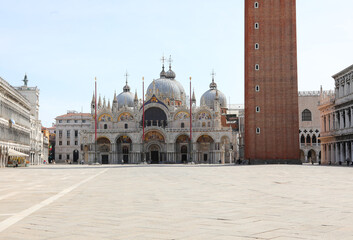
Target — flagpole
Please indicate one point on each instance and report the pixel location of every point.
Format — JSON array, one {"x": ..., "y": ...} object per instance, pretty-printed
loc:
[
  {"x": 143, "y": 120},
  {"x": 190, "y": 124},
  {"x": 95, "y": 120}
]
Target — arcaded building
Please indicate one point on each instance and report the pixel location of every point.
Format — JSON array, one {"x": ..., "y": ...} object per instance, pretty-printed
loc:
[
  {"x": 271, "y": 92},
  {"x": 15, "y": 124},
  {"x": 158, "y": 131},
  {"x": 336, "y": 111},
  {"x": 309, "y": 126}
]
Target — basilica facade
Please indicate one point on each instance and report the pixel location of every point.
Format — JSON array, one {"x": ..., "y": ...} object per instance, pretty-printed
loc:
[{"x": 159, "y": 129}]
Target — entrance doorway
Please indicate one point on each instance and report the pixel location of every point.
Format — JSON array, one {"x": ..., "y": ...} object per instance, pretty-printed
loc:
[
  {"x": 154, "y": 154},
  {"x": 184, "y": 151},
  {"x": 154, "y": 157},
  {"x": 75, "y": 156},
  {"x": 105, "y": 159}
]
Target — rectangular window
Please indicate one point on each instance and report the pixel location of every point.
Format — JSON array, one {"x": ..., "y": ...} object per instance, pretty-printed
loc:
[
  {"x": 68, "y": 121},
  {"x": 67, "y": 156},
  {"x": 60, "y": 133},
  {"x": 257, "y": 67},
  {"x": 60, "y": 156},
  {"x": 257, "y": 46},
  {"x": 83, "y": 121},
  {"x": 76, "y": 121},
  {"x": 126, "y": 126},
  {"x": 76, "y": 133},
  {"x": 68, "y": 143},
  {"x": 68, "y": 133},
  {"x": 257, "y": 26},
  {"x": 60, "y": 121},
  {"x": 257, "y": 130},
  {"x": 60, "y": 143},
  {"x": 76, "y": 143}
]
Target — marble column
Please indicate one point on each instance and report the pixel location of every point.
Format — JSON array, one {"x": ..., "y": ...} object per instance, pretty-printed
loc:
[
  {"x": 337, "y": 159},
  {"x": 351, "y": 154},
  {"x": 348, "y": 155},
  {"x": 347, "y": 122},
  {"x": 342, "y": 152},
  {"x": 351, "y": 111},
  {"x": 332, "y": 152},
  {"x": 323, "y": 152}
]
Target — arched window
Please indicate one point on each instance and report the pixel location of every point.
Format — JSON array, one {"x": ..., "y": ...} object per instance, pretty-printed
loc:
[
  {"x": 306, "y": 115},
  {"x": 105, "y": 126},
  {"x": 302, "y": 139},
  {"x": 126, "y": 126},
  {"x": 182, "y": 125},
  {"x": 313, "y": 139},
  {"x": 308, "y": 140}
]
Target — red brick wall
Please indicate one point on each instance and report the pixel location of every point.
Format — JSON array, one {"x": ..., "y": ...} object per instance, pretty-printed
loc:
[{"x": 277, "y": 78}]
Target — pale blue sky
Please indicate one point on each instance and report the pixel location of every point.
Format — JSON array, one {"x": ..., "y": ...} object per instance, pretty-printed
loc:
[{"x": 62, "y": 45}]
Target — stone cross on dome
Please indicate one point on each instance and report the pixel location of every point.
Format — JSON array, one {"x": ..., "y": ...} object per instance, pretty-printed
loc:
[
  {"x": 126, "y": 76},
  {"x": 163, "y": 59},
  {"x": 170, "y": 60},
  {"x": 213, "y": 85},
  {"x": 126, "y": 88}
]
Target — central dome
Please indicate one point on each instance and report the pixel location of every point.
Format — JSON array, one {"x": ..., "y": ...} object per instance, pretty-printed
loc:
[{"x": 166, "y": 86}]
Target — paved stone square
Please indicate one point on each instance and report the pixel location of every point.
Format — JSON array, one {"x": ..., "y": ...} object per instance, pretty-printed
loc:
[{"x": 176, "y": 202}]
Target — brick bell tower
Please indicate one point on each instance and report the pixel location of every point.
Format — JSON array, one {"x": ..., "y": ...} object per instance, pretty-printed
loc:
[{"x": 271, "y": 89}]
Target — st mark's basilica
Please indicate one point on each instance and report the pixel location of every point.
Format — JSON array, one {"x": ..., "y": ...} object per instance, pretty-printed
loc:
[{"x": 165, "y": 136}]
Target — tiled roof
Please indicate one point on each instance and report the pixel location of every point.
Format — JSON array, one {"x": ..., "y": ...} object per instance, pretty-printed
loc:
[{"x": 74, "y": 115}]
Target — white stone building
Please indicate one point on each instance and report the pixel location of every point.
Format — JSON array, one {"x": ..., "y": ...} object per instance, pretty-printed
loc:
[
  {"x": 336, "y": 111},
  {"x": 67, "y": 142},
  {"x": 15, "y": 125},
  {"x": 37, "y": 151},
  {"x": 309, "y": 126},
  {"x": 167, "y": 126}
]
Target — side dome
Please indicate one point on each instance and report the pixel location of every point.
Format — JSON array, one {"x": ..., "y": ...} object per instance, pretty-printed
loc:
[
  {"x": 126, "y": 98},
  {"x": 210, "y": 96}
]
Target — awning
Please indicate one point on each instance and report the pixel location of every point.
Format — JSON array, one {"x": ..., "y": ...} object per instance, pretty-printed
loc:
[{"x": 14, "y": 153}]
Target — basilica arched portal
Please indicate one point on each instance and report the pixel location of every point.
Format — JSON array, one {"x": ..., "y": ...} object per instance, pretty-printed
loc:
[
  {"x": 182, "y": 145},
  {"x": 205, "y": 147},
  {"x": 123, "y": 149},
  {"x": 155, "y": 145},
  {"x": 104, "y": 149}
]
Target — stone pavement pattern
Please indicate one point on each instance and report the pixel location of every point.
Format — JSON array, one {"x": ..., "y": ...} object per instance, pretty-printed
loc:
[{"x": 176, "y": 202}]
